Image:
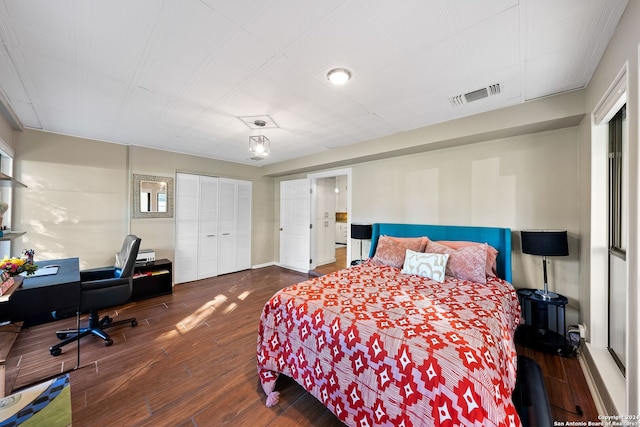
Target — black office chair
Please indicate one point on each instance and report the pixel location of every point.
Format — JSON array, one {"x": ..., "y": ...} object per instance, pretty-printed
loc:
[{"x": 101, "y": 288}]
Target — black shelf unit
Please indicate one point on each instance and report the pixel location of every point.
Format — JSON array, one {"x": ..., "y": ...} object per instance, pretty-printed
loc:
[
  {"x": 544, "y": 327},
  {"x": 152, "y": 279}
]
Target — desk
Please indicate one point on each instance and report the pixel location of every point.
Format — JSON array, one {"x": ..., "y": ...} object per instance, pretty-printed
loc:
[
  {"x": 8, "y": 335},
  {"x": 38, "y": 296}
]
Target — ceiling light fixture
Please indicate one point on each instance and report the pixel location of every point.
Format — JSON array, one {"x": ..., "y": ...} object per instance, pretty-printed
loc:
[
  {"x": 259, "y": 144},
  {"x": 339, "y": 76}
]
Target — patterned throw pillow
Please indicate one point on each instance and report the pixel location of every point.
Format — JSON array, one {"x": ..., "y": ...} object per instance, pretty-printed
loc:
[
  {"x": 391, "y": 251},
  {"x": 466, "y": 263},
  {"x": 492, "y": 253},
  {"x": 431, "y": 266}
]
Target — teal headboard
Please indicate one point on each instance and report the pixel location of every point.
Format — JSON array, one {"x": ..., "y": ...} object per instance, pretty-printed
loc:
[{"x": 499, "y": 238}]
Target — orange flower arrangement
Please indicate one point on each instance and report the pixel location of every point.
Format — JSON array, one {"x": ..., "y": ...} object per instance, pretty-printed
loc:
[{"x": 15, "y": 266}]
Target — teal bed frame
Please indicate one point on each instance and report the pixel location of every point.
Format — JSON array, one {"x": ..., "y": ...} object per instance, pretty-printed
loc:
[{"x": 499, "y": 238}]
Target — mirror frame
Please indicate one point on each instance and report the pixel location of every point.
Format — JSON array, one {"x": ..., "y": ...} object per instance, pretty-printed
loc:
[{"x": 135, "y": 209}]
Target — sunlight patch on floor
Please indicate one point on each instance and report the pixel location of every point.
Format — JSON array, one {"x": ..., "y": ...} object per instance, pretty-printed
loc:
[
  {"x": 230, "y": 308},
  {"x": 198, "y": 317}
]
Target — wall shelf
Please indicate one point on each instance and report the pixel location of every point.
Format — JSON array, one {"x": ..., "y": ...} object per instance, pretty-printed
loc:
[
  {"x": 7, "y": 181},
  {"x": 10, "y": 235}
]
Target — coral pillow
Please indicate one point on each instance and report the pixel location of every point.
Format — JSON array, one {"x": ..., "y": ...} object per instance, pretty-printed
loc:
[
  {"x": 492, "y": 254},
  {"x": 431, "y": 266},
  {"x": 411, "y": 242},
  {"x": 391, "y": 251},
  {"x": 466, "y": 263}
]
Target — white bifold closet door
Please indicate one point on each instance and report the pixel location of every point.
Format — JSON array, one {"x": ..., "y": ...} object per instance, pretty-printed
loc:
[
  {"x": 228, "y": 214},
  {"x": 235, "y": 226},
  {"x": 187, "y": 199},
  {"x": 243, "y": 226},
  {"x": 196, "y": 212},
  {"x": 213, "y": 226},
  {"x": 208, "y": 228}
]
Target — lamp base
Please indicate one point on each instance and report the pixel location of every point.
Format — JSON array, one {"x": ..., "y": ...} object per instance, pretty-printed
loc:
[{"x": 546, "y": 295}]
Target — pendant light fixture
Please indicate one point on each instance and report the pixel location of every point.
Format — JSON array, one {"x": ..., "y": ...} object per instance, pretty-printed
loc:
[{"x": 259, "y": 144}]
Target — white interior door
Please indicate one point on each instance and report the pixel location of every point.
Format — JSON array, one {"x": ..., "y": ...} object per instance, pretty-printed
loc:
[
  {"x": 208, "y": 230},
  {"x": 295, "y": 222}
]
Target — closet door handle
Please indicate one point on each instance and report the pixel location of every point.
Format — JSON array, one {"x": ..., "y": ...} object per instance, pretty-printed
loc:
[
  {"x": 226, "y": 234},
  {"x": 211, "y": 235}
]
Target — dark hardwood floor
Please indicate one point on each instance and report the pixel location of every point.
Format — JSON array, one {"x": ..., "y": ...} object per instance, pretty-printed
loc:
[
  {"x": 341, "y": 262},
  {"x": 191, "y": 362}
]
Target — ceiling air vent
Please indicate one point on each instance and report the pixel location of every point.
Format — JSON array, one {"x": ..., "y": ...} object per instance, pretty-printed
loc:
[{"x": 475, "y": 95}]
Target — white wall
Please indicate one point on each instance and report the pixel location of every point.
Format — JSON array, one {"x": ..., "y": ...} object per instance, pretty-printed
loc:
[{"x": 74, "y": 203}]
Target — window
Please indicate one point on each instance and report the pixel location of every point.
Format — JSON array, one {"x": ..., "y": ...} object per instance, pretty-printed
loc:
[
  {"x": 617, "y": 229},
  {"x": 145, "y": 202},
  {"x": 6, "y": 194},
  {"x": 162, "y": 202},
  {"x": 618, "y": 205}
]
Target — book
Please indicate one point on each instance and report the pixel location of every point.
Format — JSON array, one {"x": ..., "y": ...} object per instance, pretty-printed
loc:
[
  {"x": 6, "y": 285},
  {"x": 158, "y": 272}
]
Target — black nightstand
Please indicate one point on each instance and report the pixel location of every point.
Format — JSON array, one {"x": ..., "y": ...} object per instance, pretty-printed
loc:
[{"x": 544, "y": 328}]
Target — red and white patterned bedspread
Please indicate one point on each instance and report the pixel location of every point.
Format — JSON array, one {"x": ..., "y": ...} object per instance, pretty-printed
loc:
[{"x": 378, "y": 347}]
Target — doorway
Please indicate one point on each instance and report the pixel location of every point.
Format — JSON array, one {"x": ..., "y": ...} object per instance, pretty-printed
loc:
[{"x": 330, "y": 208}]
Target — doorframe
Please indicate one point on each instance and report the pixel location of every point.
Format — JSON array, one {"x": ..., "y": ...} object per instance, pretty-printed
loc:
[{"x": 330, "y": 174}]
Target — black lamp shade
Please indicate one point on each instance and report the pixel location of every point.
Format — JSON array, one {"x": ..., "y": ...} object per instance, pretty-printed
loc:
[
  {"x": 361, "y": 231},
  {"x": 544, "y": 242}
]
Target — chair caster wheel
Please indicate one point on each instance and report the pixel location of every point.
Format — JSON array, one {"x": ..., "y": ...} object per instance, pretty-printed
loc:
[
  {"x": 55, "y": 351},
  {"x": 134, "y": 323},
  {"x": 61, "y": 335},
  {"x": 108, "y": 342},
  {"x": 107, "y": 320}
]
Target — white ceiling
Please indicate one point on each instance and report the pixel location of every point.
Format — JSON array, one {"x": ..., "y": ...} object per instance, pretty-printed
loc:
[{"x": 179, "y": 74}]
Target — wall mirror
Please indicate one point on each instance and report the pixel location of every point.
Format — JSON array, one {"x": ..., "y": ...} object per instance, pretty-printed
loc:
[{"x": 152, "y": 196}]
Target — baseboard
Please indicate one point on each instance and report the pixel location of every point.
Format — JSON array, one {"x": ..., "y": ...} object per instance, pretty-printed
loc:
[
  {"x": 299, "y": 270},
  {"x": 267, "y": 264},
  {"x": 606, "y": 383},
  {"x": 595, "y": 393}
]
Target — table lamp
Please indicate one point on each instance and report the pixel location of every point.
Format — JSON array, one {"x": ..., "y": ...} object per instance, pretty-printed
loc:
[
  {"x": 361, "y": 232},
  {"x": 545, "y": 243}
]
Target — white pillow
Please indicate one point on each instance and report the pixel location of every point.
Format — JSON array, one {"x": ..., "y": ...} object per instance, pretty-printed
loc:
[{"x": 431, "y": 266}]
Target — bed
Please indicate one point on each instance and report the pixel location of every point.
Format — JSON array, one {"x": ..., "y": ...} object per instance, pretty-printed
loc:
[{"x": 382, "y": 344}]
